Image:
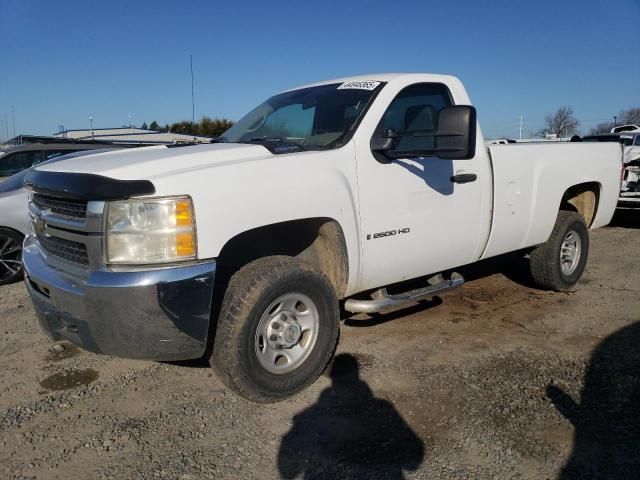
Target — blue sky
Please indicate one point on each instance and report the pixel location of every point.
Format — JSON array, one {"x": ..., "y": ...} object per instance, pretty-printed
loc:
[{"x": 64, "y": 61}]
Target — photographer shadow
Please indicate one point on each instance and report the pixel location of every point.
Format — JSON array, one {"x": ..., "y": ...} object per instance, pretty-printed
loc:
[
  {"x": 349, "y": 433},
  {"x": 607, "y": 419}
]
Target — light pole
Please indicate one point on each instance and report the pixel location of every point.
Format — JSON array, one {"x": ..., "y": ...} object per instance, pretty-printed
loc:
[
  {"x": 615, "y": 120},
  {"x": 520, "y": 127},
  {"x": 91, "y": 126},
  {"x": 129, "y": 120}
]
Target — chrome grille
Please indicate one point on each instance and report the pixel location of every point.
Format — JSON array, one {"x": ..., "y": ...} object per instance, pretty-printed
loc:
[
  {"x": 65, "y": 249},
  {"x": 64, "y": 207}
]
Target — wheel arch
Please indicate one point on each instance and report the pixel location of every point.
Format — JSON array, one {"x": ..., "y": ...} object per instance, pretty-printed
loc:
[
  {"x": 582, "y": 198},
  {"x": 319, "y": 241},
  {"x": 15, "y": 230}
]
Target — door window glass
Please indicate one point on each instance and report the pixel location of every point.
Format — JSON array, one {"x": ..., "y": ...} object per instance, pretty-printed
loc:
[{"x": 415, "y": 110}]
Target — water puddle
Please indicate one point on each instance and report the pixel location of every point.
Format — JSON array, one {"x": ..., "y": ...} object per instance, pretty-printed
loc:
[{"x": 69, "y": 379}]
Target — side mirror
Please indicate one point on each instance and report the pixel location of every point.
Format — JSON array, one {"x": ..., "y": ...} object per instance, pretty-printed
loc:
[
  {"x": 456, "y": 135},
  {"x": 382, "y": 144}
]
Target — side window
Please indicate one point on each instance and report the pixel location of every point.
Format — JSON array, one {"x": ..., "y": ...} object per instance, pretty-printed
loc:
[
  {"x": 415, "y": 109},
  {"x": 56, "y": 153},
  {"x": 637, "y": 140},
  {"x": 13, "y": 163},
  {"x": 48, "y": 155}
]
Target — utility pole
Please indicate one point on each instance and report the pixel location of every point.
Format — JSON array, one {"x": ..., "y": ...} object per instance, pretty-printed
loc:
[
  {"x": 615, "y": 120},
  {"x": 13, "y": 116},
  {"x": 520, "y": 127},
  {"x": 91, "y": 126},
  {"x": 193, "y": 104}
]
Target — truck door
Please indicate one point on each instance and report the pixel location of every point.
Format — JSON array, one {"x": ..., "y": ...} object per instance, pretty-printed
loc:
[{"x": 415, "y": 218}]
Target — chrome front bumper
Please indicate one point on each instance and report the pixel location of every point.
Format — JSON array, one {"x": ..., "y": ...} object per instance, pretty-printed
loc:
[{"x": 155, "y": 314}]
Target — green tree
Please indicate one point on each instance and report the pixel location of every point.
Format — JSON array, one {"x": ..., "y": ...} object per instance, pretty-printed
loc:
[
  {"x": 144, "y": 126},
  {"x": 207, "y": 127},
  {"x": 213, "y": 127},
  {"x": 154, "y": 126}
]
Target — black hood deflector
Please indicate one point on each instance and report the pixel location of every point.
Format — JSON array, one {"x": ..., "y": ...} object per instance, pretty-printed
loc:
[{"x": 85, "y": 186}]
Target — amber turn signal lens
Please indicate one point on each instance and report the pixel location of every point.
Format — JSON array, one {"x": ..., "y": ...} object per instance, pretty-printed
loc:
[
  {"x": 185, "y": 244},
  {"x": 184, "y": 217}
]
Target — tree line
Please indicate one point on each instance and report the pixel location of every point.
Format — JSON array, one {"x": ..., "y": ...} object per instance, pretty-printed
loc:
[
  {"x": 625, "y": 117},
  {"x": 206, "y": 127},
  {"x": 563, "y": 122}
]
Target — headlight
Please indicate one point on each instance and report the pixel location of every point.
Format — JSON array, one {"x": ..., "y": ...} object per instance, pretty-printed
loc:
[{"x": 151, "y": 230}]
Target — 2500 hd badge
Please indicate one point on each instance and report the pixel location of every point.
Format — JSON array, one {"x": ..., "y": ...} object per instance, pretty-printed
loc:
[{"x": 389, "y": 233}]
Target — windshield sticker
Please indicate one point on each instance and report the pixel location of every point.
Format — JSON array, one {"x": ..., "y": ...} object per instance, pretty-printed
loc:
[{"x": 361, "y": 85}]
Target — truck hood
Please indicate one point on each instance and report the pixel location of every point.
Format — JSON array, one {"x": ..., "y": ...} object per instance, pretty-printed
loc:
[{"x": 147, "y": 163}]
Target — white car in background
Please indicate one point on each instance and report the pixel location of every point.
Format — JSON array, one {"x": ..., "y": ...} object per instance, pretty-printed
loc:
[
  {"x": 14, "y": 219},
  {"x": 629, "y": 137},
  {"x": 630, "y": 140}
]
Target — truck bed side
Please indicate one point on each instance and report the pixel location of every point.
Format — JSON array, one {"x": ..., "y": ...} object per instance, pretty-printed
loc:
[{"x": 530, "y": 180}]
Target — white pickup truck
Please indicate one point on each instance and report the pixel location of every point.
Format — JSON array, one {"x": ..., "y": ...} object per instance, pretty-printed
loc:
[{"x": 242, "y": 249}]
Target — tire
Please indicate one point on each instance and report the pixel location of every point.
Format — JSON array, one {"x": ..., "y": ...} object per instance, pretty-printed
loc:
[
  {"x": 253, "y": 358},
  {"x": 10, "y": 256},
  {"x": 547, "y": 268}
]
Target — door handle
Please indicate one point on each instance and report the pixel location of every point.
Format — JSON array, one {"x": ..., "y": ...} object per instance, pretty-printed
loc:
[{"x": 464, "y": 178}]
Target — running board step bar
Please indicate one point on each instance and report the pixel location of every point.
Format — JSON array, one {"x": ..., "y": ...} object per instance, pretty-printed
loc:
[{"x": 381, "y": 300}]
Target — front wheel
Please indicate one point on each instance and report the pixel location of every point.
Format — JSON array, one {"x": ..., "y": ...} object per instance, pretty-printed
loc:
[
  {"x": 277, "y": 329},
  {"x": 10, "y": 256},
  {"x": 559, "y": 263}
]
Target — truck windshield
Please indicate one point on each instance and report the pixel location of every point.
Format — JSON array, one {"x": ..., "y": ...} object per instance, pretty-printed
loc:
[{"x": 314, "y": 118}]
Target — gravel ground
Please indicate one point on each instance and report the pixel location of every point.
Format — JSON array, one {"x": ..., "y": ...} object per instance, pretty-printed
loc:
[{"x": 495, "y": 380}]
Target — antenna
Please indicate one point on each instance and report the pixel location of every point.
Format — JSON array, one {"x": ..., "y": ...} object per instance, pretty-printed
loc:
[{"x": 193, "y": 104}]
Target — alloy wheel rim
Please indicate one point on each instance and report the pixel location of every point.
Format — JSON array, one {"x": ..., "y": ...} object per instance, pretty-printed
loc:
[
  {"x": 570, "y": 252},
  {"x": 10, "y": 258},
  {"x": 287, "y": 333}
]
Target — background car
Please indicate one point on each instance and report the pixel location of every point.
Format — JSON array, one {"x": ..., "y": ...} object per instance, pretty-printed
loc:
[
  {"x": 14, "y": 216},
  {"x": 15, "y": 159}
]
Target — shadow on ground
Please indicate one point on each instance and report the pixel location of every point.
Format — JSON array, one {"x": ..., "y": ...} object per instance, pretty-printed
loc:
[
  {"x": 349, "y": 433},
  {"x": 607, "y": 417},
  {"x": 626, "y": 218}
]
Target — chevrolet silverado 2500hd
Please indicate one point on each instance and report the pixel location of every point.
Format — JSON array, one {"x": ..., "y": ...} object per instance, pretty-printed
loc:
[{"x": 318, "y": 195}]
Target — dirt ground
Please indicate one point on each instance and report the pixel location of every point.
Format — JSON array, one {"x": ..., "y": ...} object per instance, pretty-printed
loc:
[{"x": 494, "y": 380}]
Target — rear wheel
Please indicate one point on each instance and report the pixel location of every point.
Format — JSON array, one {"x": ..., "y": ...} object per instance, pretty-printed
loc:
[
  {"x": 277, "y": 329},
  {"x": 10, "y": 256},
  {"x": 559, "y": 263}
]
